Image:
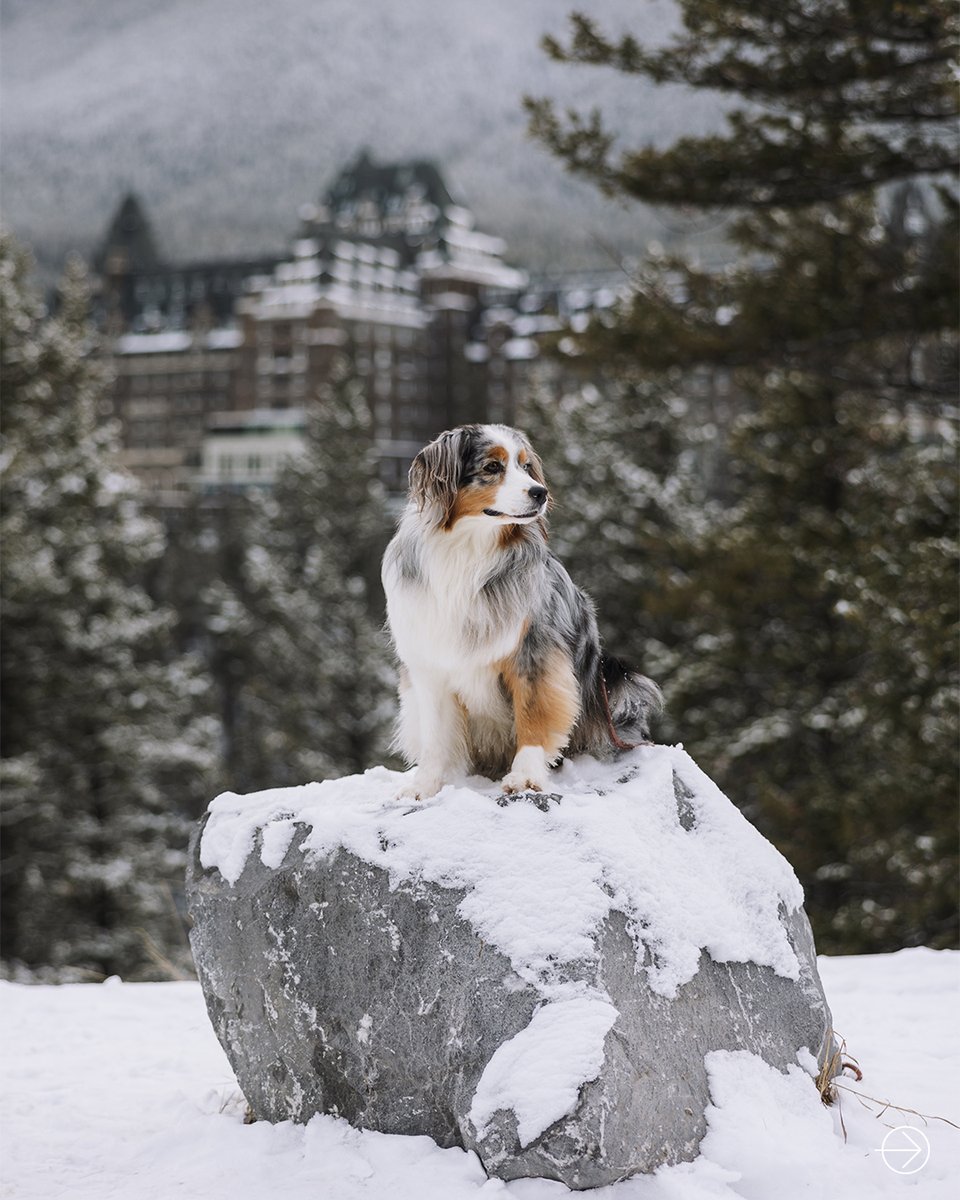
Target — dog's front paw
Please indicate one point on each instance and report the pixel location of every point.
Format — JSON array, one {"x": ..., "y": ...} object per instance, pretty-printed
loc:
[
  {"x": 527, "y": 772},
  {"x": 422, "y": 786},
  {"x": 521, "y": 781}
]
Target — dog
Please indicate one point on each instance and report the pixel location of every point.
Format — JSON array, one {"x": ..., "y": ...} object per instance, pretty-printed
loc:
[{"x": 501, "y": 670}]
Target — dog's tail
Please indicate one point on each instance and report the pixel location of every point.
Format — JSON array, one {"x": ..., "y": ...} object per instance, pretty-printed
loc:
[{"x": 630, "y": 702}]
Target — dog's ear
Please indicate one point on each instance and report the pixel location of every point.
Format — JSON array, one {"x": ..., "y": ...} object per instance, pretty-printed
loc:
[{"x": 436, "y": 472}]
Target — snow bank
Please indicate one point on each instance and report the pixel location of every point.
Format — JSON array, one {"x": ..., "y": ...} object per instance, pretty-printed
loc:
[{"x": 121, "y": 1092}]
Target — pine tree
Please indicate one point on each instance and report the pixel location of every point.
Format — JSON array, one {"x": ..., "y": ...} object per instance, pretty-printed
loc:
[
  {"x": 843, "y": 95},
  {"x": 105, "y": 746},
  {"x": 299, "y": 625},
  {"x": 816, "y": 604},
  {"x": 625, "y": 473}
]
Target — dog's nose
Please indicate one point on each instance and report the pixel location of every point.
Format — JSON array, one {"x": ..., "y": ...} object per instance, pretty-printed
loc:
[{"x": 537, "y": 494}]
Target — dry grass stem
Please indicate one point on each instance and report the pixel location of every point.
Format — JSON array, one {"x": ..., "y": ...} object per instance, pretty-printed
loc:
[{"x": 839, "y": 1063}]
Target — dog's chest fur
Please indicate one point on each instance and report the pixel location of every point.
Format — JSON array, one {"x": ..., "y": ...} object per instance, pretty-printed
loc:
[{"x": 450, "y": 613}]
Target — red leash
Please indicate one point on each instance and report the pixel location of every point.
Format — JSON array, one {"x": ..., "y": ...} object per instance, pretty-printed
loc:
[{"x": 614, "y": 736}]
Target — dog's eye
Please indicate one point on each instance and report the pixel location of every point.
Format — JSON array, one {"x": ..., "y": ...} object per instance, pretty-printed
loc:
[
  {"x": 528, "y": 467},
  {"x": 493, "y": 468}
]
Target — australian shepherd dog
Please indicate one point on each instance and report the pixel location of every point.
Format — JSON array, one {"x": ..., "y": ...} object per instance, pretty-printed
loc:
[{"x": 501, "y": 666}]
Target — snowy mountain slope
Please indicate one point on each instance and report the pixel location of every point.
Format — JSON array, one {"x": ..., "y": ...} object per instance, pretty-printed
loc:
[
  {"x": 121, "y": 1091},
  {"x": 227, "y": 115}
]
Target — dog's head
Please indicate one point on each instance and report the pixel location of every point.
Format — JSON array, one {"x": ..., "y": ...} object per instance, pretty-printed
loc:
[{"x": 483, "y": 473}]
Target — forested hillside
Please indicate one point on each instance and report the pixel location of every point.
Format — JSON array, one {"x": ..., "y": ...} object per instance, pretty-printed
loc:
[{"x": 228, "y": 115}]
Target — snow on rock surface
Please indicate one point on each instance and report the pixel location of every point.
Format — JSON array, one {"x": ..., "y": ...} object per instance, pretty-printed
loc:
[
  {"x": 539, "y": 884},
  {"x": 539, "y": 978},
  {"x": 537, "y": 1073}
]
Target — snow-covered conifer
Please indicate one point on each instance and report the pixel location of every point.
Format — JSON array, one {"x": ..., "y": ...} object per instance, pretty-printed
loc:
[
  {"x": 300, "y": 621},
  {"x": 815, "y": 605},
  {"x": 625, "y": 466},
  {"x": 105, "y": 746}
]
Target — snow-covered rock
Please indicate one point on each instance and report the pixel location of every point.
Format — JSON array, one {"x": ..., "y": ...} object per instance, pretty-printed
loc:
[{"x": 538, "y": 978}]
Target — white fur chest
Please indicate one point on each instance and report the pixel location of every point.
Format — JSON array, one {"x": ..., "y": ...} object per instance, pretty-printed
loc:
[{"x": 437, "y": 615}]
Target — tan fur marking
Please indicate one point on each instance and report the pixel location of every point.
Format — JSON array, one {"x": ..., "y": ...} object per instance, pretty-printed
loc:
[
  {"x": 510, "y": 534},
  {"x": 544, "y": 709},
  {"x": 471, "y": 502},
  {"x": 515, "y": 533}
]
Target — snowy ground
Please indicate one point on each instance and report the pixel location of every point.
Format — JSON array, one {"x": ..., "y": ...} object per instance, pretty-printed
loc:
[{"x": 121, "y": 1090}]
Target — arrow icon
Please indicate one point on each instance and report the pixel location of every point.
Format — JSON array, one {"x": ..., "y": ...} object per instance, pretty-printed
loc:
[{"x": 902, "y": 1147}]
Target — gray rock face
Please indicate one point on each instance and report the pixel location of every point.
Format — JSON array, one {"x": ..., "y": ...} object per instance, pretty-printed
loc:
[{"x": 335, "y": 987}]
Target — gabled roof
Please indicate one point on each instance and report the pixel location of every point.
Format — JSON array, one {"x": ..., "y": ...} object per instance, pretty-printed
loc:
[
  {"x": 405, "y": 205},
  {"x": 128, "y": 240},
  {"x": 384, "y": 184}
]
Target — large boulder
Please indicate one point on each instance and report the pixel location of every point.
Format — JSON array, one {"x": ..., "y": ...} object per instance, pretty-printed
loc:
[{"x": 537, "y": 978}]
